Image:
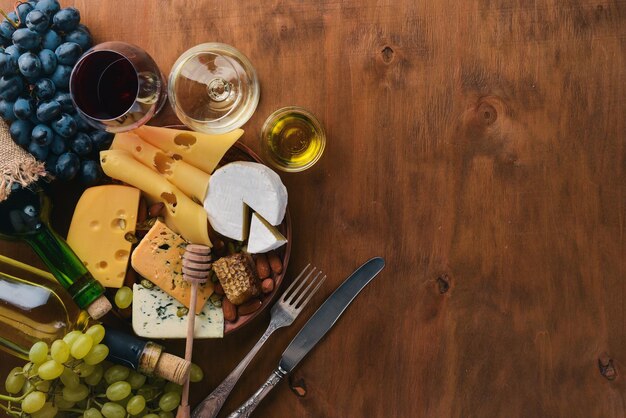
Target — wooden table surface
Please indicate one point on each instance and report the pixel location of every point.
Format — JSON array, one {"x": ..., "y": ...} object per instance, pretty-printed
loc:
[{"x": 479, "y": 147}]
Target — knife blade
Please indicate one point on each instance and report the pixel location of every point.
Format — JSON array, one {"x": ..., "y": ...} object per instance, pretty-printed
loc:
[{"x": 316, "y": 327}]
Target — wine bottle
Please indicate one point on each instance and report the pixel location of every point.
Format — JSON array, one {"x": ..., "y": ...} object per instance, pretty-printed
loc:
[
  {"x": 25, "y": 215},
  {"x": 33, "y": 307}
]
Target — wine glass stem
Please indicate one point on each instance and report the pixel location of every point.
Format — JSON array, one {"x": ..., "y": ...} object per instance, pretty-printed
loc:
[{"x": 219, "y": 89}]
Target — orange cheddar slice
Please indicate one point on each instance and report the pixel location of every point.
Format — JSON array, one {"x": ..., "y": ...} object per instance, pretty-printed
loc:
[{"x": 159, "y": 258}]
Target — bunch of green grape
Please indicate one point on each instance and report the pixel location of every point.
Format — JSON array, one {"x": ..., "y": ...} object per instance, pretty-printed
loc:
[{"x": 72, "y": 379}]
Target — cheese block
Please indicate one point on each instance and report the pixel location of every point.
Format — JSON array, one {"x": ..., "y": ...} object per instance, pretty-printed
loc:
[
  {"x": 263, "y": 236},
  {"x": 102, "y": 218},
  {"x": 190, "y": 180},
  {"x": 158, "y": 315},
  {"x": 242, "y": 184},
  {"x": 200, "y": 150},
  {"x": 183, "y": 215},
  {"x": 159, "y": 258}
]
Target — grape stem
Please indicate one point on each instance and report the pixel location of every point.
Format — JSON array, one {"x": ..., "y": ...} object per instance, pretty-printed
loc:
[
  {"x": 9, "y": 411},
  {"x": 3, "y": 13},
  {"x": 13, "y": 398},
  {"x": 11, "y": 21}
]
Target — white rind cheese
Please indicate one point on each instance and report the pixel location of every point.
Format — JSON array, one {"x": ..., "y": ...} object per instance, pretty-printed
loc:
[
  {"x": 155, "y": 315},
  {"x": 263, "y": 236},
  {"x": 242, "y": 184}
]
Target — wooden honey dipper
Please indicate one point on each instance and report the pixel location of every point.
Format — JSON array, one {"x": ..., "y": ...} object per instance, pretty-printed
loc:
[{"x": 196, "y": 267}]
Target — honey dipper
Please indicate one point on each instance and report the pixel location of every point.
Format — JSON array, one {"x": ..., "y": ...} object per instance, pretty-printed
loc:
[{"x": 196, "y": 267}]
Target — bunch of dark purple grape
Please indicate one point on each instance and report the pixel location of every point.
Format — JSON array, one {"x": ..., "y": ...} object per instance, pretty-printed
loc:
[{"x": 41, "y": 43}]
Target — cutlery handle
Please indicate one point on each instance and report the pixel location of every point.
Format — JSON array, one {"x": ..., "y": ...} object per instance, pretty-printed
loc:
[
  {"x": 245, "y": 410},
  {"x": 211, "y": 405}
]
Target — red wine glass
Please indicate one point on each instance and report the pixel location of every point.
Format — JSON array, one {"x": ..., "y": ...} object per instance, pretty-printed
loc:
[{"x": 117, "y": 87}]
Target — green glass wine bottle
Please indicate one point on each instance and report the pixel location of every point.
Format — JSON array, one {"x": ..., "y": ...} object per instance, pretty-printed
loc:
[
  {"x": 25, "y": 215},
  {"x": 33, "y": 307}
]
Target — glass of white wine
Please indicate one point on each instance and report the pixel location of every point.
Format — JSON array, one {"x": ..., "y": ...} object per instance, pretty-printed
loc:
[{"x": 213, "y": 88}]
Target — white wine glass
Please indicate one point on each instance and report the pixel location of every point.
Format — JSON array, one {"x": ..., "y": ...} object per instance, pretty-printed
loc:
[{"x": 213, "y": 88}]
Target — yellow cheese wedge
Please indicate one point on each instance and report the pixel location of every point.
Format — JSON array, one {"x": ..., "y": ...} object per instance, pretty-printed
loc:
[
  {"x": 200, "y": 150},
  {"x": 190, "y": 180},
  {"x": 183, "y": 215},
  {"x": 159, "y": 258},
  {"x": 102, "y": 218}
]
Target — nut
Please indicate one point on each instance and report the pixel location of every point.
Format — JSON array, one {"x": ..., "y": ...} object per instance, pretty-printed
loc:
[
  {"x": 249, "y": 307},
  {"x": 147, "y": 283},
  {"x": 267, "y": 285},
  {"x": 130, "y": 237},
  {"x": 275, "y": 263},
  {"x": 182, "y": 311},
  {"x": 216, "y": 300},
  {"x": 142, "y": 212},
  {"x": 218, "y": 289},
  {"x": 262, "y": 266},
  {"x": 156, "y": 209},
  {"x": 230, "y": 311}
]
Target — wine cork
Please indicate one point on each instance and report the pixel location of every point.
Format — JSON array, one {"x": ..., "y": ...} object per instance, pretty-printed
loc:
[
  {"x": 172, "y": 368},
  {"x": 99, "y": 307}
]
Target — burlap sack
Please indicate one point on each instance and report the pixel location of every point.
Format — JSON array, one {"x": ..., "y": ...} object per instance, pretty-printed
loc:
[{"x": 16, "y": 165}]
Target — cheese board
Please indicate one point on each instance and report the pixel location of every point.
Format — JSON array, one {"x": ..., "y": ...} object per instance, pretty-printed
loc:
[
  {"x": 157, "y": 311},
  {"x": 145, "y": 270}
]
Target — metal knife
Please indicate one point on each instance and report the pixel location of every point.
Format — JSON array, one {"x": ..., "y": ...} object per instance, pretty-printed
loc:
[{"x": 313, "y": 331}]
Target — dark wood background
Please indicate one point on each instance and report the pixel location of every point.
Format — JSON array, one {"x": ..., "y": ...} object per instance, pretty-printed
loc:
[{"x": 479, "y": 146}]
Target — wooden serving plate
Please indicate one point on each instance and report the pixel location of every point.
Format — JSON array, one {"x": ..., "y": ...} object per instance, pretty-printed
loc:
[{"x": 241, "y": 152}]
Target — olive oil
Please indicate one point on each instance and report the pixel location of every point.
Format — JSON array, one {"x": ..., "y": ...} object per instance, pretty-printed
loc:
[{"x": 293, "y": 139}]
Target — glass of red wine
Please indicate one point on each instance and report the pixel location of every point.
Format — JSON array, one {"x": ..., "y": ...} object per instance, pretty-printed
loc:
[{"x": 117, "y": 87}]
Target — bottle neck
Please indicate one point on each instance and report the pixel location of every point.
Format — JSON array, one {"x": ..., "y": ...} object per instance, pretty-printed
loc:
[
  {"x": 66, "y": 267},
  {"x": 124, "y": 348},
  {"x": 24, "y": 215}
]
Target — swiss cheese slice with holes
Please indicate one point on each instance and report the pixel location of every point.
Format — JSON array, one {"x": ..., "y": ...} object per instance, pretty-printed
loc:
[
  {"x": 183, "y": 215},
  {"x": 102, "y": 218},
  {"x": 190, "y": 180},
  {"x": 159, "y": 258},
  {"x": 203, "y": 151}
]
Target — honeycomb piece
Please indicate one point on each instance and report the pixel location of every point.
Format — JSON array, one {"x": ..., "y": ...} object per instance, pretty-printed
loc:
[{"x": 237, "y": 277}]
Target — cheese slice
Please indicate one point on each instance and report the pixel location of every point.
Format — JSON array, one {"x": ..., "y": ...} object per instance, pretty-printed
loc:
[
  {"x": 102, "y": 218},
  {"x": 200, "y": 150},
  {"x": 158, "y": 315},
  {"x": 183, "y": 215},
  {"x": 240, "y": 184},
  {"x": 159, "y": 258},
  {"x": 263, "y": 236},
  {"x": 190, "y": 180}
]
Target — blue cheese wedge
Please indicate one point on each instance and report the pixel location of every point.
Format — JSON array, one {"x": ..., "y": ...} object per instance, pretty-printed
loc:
[{"x": 158, "y": 315}]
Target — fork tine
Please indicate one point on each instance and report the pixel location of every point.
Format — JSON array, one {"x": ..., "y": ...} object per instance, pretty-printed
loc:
[
  {"x": 296, "y": 291},
  {"x": 305, "y": 291},
  {"x": 293, "y": 283},
  {"x": 303, "y": 304}
]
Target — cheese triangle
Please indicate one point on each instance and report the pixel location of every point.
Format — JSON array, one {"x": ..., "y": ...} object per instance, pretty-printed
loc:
[
  {"x": 203, "y": 151},
  {"x": 263, "y": 236}
]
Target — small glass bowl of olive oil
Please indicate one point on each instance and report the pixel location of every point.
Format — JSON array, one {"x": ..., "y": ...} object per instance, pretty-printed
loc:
[{"x": 292, "y": 139}]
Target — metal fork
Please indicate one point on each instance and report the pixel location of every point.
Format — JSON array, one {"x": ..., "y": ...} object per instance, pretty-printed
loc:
[{"x": 284, "y": 312}]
